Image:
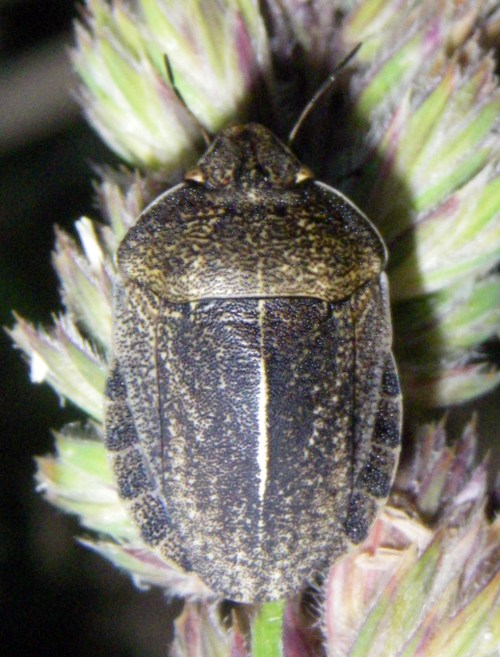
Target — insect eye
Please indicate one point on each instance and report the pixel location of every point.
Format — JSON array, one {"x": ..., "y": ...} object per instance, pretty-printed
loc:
[
  {"x": 303, "y": 174},
  {"x": 195, "y": 175}
]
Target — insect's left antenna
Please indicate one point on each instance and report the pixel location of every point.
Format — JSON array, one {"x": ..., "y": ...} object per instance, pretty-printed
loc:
[
  {"x": 323, "y": 89},
  {"x": 170, "y": 75}
]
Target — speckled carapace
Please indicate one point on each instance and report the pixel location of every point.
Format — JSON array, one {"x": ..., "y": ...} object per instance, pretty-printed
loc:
[{"x": 253, "y": 406}]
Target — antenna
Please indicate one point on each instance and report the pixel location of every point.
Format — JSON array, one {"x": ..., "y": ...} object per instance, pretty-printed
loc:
[
  {"x": 323, "y": 89},
  {"x": 170, "y": 76}
]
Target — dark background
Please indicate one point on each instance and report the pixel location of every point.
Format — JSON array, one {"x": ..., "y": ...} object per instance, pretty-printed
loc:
[{"x": 57, "y": 598}]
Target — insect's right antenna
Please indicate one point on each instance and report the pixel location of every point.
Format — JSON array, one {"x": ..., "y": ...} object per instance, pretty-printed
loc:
[
  {"x": 170, "y": 75},
  {"x": 324, "y": 87}
]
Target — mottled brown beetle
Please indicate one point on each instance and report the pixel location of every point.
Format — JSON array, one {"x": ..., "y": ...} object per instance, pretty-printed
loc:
[{"x": 253, "y": 406}]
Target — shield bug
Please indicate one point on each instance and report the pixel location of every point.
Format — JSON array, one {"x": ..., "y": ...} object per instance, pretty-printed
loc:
[{"x": 253, "y": 408}]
